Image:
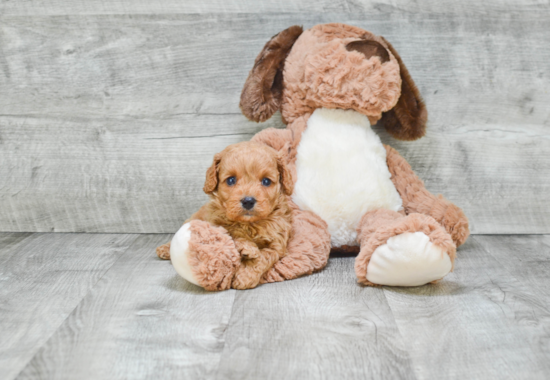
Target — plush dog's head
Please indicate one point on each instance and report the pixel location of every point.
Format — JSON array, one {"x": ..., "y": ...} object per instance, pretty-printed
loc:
[
  {"x": 248, "y": 180},
  {"x": 334, "y": 66}
]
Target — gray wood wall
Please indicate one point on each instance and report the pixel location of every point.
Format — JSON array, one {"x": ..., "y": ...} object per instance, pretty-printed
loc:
[{"x": 110, "y": 111}]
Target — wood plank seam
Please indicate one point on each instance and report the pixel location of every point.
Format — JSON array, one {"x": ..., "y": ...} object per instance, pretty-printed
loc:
[{"x": 37, "y": 349}]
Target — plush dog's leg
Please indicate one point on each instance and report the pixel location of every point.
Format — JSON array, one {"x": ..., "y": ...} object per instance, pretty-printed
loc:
[
  {"x": 416, "y": 199},
  {"x": 308, "y": 248},
  {"x": 401, "y": 250},
  {"x": 163, "y": 251},
  {"x": 204, "y": 255}
]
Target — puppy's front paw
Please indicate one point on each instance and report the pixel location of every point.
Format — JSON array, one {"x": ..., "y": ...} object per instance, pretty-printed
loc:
[
  {"x": 250, "y": 253},
  {"x": 247, "y": 249},
  {"x": 163, "y": 252},
  {"x": 245, "y": 278}
]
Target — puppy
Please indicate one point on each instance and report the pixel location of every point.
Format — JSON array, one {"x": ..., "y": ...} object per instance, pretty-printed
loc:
[{"x": 248, "y": 184}]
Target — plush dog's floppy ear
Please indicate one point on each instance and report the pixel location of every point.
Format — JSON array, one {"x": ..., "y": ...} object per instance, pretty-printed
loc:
[
  {"x": 211, "y": 182},
  {"x": 263, "y": 89},
  {"x": 286, "y": 176},
  {"x": 407, "y": 120}
]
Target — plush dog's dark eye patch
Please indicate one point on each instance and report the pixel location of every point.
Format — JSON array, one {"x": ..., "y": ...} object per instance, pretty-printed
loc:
[
  {"x": 231, "y": 181},
  {"x": 266, "y": 182}
]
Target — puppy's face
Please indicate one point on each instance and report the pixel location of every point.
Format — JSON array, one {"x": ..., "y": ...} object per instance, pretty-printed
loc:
[{"x": 248, "y": 179}]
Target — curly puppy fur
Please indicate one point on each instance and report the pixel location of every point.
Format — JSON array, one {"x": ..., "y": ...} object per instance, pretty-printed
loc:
[{"x": 261, "y": 233}]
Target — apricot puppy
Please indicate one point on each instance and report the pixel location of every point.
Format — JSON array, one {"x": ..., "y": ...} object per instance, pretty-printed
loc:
[{"x": 248, "y": 184}]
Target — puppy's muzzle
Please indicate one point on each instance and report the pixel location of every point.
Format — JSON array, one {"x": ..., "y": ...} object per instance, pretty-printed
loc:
[{"x": 248, "y": 202}]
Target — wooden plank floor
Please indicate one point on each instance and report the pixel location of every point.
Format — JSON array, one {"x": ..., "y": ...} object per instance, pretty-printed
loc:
[{"x": 102, "y": 306}]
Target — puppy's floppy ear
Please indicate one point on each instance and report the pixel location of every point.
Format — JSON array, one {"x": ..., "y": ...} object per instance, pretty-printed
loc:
[
  {"x": 263, "y": 89},
  {"x": 286, "y": 177},
  {"x": 407, "y": 120},
  {"x": 211, "y": 182}
]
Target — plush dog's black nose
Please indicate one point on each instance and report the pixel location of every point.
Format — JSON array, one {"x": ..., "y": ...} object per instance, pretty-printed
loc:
[{"x": 248, "y": 202}]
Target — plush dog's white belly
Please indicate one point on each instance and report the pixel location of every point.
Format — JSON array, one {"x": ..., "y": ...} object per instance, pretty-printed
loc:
[{"x": 342, "y": 172}]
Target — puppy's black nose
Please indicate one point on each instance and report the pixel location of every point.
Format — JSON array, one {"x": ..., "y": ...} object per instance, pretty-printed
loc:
[{"x": 248, "y": 203}]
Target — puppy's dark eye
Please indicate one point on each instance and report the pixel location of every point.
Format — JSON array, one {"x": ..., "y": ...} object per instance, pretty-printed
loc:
[
  {"x": 231, "y": 181},
  {"x": 266, "y": 182}
]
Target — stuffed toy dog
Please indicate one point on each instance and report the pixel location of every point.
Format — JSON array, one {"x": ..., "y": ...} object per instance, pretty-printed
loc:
[{"x": 351, "y": 192}]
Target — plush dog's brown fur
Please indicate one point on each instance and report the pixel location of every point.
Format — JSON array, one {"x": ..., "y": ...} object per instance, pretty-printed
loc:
[{"x": 342, "y": 66}]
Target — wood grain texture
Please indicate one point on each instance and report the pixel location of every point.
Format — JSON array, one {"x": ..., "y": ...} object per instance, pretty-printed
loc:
[
  {"x": 489, "y": 319},
  {"x": 42, "y": 279},
  {"x": 85, "y": 97},
  {"x": 141, "y": 321},
  {"x": 470, "y": 70},
  {"x": 117, "y": 175},
  {"x": 9, "y": 240},
  {"x": 140, "y": 176},
  {"x": 323, "y": 326},
  {"x": 526, "y": 258},
  {"x": 481, "y": 322},
  {"x": 67, "y": 7}
]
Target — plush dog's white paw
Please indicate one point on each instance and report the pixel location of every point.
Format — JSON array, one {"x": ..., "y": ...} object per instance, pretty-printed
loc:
[
  {"x": 179, "y": 250},
  {"x": 409, "y": 259}
]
